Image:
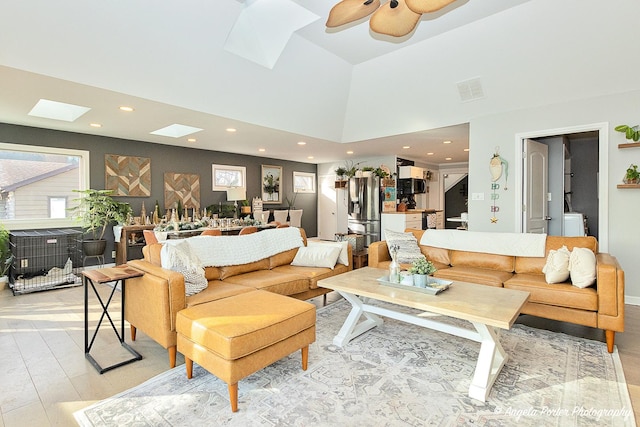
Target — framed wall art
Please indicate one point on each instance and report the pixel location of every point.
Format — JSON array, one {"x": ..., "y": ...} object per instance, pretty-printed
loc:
[
  {"x": 181, "y": 187},
  {"x": 127, "y": 175},
  {"x": 271, "y": 184},
  {"x": 304, "y": 182}
]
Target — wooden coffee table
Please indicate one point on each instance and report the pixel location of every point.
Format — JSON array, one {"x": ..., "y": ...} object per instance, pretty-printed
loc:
[{"x": 487, "y": 308}]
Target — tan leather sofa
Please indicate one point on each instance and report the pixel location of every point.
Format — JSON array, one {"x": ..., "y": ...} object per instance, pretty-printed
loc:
[
  {"x": 153, "y": 300},
  {"x": 598, "y": 306}
]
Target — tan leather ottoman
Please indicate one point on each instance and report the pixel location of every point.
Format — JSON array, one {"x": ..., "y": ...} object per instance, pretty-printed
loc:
[{"x": 234, "y": 337}]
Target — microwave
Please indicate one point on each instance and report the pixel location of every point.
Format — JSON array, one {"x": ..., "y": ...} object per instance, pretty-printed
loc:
[{"x": 412, "y": 186}]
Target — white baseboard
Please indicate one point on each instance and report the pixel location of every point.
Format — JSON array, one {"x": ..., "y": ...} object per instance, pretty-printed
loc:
[{"x": 631, "y": 300}]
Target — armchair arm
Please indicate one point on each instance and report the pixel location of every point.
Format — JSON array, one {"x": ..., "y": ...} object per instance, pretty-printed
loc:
[
  {"x": 153, "y": 300},
  {"x": 610, "y": 287},
  {"x": 378, "y": 252}
]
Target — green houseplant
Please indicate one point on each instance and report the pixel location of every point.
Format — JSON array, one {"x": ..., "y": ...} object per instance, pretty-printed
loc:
[
  {"x": 632, "y": 176},
  {"x": 5, "y": 255},
  {"x": 421, "y": 268},
  {"x": 95, "y": 210},
  {"x": 632, "y": 133}
]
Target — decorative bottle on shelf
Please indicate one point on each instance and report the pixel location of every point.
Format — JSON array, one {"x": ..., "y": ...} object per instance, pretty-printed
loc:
[{"x": 394, "y": 267}]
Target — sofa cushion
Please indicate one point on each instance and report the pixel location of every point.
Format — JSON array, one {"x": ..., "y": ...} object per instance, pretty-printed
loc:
[
  {"x": 534, "y": 265},
  {"x": 482, "y": 260},
  {"x": 556, "y": 269},
  {"x": 582, "y": 267},
  {"x": 272, "y": 281},
  {"x": 558, "y": 294},
  {"x": 216, "y": 290},
  {"x": 282, "y": 258},
  {"x": 317, "y": 256},
  {"x": 343, "y": 257},
  {"x": 436, "y": 255},
  {"x": 233, "y": 270},
  {"x": 483, "y": 276},
  {"x": 408, "y": 249},
  {"x": 313, "y": 274}
]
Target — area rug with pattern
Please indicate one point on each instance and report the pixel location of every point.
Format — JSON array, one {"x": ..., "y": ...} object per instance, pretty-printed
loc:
[{"x": 397, "y": 374}]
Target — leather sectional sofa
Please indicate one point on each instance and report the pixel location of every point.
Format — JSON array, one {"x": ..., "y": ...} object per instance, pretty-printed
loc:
[
  {"x": 153, "y": 300},
  {"x": 599, "y": 306}
]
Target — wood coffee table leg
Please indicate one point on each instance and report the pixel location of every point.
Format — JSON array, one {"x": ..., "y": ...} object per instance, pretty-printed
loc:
[{"x": 491, "y": 359}]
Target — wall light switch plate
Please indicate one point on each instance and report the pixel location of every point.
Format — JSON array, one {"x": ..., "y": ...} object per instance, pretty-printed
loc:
[
  {"x": 477, "y": 196},
  {"x": 113, "y": 254}
]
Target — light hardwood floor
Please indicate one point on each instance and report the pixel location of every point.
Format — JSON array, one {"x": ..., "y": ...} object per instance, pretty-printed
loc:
[{"x": 44, "y": 376}]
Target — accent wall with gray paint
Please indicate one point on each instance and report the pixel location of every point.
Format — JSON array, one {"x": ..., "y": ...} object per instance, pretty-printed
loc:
[{"x": 168, "y": 158}]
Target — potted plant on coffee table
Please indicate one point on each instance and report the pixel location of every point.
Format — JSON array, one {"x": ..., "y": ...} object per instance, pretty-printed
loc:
[
  {"x": 95, "y": 210},
  {"x": 421, "y": 268}
]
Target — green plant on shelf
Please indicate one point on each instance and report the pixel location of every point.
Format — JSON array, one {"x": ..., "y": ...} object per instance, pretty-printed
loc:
[{"x": 632, "y": 133}]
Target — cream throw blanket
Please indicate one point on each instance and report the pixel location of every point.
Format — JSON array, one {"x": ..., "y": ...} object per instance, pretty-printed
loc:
[
  {"x": 219, "y": 251},
  {"x": 513, "y": 244}
]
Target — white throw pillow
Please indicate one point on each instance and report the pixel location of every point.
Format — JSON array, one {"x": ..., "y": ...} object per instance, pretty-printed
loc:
[
  {"x": 343, "y": 258},
  {"x": 408, "y": 249},
  {"x": 582, "y": 267},
  {"x": 317, "y": 256},
  {"x": 556, "y": 269},
  {"x": 178, "y": 257}
]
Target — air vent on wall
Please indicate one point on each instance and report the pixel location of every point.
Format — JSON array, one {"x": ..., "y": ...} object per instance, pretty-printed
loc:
[{"x": 470, "y": 90}]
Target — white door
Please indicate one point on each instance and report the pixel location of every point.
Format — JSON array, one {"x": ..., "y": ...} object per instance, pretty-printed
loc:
[
  {"x": 536, "y": 187},
  {"x": 332, "y": 208}
]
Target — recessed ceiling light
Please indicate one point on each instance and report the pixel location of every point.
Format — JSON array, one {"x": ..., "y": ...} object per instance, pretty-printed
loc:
[
  {"x": 406, "y": 146},
  {"x": 191, "y": 140},
  {"x": 466, "y": 149},
  {"x": 447, "y": 158},
  {"x": 176, "y": 131},
  {"x": 429, "y": 154},
  {"x": 231, "y": 129},
  {"x": 349, "y": 152},
  {"x": 446, "y": 142},
  {"x": 127, "y": 109},
  {"x": 310, "y": 157},
  {"x": 302, "y": 143},
  {"x": 95, "y": 125},
  {"x": 262, "y": 150},
  {"x": 57, "y": 110}
]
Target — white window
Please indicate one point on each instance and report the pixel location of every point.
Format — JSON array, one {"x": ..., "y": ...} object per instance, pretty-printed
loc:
[
  {"x": 29, "y": 175},
  {"x": 225, "y": 176}
]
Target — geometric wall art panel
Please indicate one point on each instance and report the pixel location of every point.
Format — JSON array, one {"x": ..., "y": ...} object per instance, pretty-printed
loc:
[
  {"x": 127, "y": 175},
  {"x": 181, "y": 187}
]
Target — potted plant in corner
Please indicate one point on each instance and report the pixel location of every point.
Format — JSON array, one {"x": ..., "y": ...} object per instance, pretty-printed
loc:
[
  {"x": 95, "y": 210},
  {"x": 421, "y": 268},
  {"x": 632, "y": 176}
]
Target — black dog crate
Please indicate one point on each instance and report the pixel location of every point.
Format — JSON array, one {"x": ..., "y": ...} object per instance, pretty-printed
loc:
[{"x": 45, "y": 259}]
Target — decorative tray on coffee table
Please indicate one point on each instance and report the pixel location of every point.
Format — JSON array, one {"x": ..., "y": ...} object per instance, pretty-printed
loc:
[{"x": 434, "y": 286}]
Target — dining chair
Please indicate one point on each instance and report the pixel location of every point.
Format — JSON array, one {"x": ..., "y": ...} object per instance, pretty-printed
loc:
[
  {"x": 295, "y": 217},
  {"x": 211, "y": 232},
  {"x": 280, "y": 216},
  {"x": 149, "y": 237},
  {"x": 262, "y": 216},
  {"x": 248, "y": 230},
  {"x": 285, "y": 225}
]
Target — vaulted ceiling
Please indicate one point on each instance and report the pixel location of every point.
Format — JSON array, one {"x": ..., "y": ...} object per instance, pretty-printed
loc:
[{"x": 271, "y": 70}]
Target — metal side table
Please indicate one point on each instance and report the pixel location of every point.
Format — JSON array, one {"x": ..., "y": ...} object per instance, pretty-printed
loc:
[{"x": 105, "y": 275}]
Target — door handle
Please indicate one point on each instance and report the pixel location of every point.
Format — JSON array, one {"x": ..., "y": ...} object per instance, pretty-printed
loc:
[{"x": 547, "y": 218}]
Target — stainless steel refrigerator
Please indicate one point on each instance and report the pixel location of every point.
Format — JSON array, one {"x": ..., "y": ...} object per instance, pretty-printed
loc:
[{"x": 364, "y": 208}]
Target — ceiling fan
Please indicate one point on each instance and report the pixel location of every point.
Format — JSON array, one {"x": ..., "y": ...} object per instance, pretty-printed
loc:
[{"x": 395, "y": 18}]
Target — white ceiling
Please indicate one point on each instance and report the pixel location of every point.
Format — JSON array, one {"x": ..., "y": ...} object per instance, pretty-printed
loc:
[{"x": 337, "y": 90}]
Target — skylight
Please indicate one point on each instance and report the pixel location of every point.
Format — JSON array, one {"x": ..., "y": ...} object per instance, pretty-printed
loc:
[
  {"x": 176, "y": 131},
  {"x": 57, "y": 110}
]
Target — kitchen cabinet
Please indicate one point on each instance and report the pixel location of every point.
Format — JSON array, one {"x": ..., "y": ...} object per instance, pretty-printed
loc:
[
  {"x": 405, "y": 172},
  {"x": 399, "y": 221}
]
